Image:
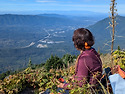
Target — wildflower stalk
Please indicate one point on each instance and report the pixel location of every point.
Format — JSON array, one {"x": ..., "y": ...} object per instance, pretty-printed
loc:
[{"x": 113, "y": 16}]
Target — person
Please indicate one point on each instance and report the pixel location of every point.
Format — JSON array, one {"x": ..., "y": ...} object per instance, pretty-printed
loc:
[{"x": 88, "y": 64}]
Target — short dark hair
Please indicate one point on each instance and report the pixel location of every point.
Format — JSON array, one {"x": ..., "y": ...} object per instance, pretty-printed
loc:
[{"x": 81, "y": 36}]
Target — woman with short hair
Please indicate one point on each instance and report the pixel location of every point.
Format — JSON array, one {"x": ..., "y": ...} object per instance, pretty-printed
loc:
[{"x": 88, "y": 67}]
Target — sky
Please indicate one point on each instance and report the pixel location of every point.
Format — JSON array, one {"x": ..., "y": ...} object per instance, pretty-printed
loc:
[{"x": 101, "y": 6}]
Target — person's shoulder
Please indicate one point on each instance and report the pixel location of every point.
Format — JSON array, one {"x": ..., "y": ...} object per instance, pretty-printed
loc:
[
  {"x": 88, "y": 52},
  {"x": 85, "y": 55},
  {"x": 92, "y": 51}
]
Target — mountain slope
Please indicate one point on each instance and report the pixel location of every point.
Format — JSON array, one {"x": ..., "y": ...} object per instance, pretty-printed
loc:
[{"x": 102, "y": 32}]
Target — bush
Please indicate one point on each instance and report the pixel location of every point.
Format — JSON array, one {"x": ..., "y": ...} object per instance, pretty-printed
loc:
[{"x": 54, "y": 62}]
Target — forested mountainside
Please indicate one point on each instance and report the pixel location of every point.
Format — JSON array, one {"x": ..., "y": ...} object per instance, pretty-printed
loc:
[{"x": 102, "y": 32}]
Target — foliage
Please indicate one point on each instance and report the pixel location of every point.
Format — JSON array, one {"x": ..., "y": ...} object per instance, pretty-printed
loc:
[
  {"x": 119, "y": 57},
  {"x": 35, "y": 77},
  {"x": 54, "y": 62},
  {"x": 41, "y": 79},
  {"x": 67, "y": 59},
  {"x": 30, "y": 63}
]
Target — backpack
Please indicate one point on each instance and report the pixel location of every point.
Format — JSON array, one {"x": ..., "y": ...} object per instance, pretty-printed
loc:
[{"x": 115, "y": 82}]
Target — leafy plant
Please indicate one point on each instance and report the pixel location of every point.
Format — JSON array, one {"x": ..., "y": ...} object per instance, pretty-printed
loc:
[
  {"x": 41, "y": 79},
  {"x": 119, "y": 57}
]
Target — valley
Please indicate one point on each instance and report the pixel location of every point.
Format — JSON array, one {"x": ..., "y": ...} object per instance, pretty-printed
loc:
[{"x": 39, "y": 36}]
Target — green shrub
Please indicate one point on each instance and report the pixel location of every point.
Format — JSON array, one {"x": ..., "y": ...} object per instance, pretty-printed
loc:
[{"x": 54, "y": 62}]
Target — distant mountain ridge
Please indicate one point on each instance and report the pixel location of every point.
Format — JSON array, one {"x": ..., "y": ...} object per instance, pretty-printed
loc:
[
  {"x": 39, "y": 20},
  {"x": 70, "y": 13},
  {"x": 9, "y": 19},
  {"x": 52, "y": 15}
]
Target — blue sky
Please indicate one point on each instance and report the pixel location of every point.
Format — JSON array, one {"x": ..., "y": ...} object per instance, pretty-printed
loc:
[{"x": 101, "y": 6}]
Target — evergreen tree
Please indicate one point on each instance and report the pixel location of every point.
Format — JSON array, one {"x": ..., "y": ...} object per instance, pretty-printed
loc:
[
  {"x": 54, "y": 62},
  {"x": 119, "y": 47},
  {"x": 30, "y": 63}
]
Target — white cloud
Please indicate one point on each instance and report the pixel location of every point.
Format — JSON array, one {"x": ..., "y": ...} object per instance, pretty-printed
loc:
[{"x": 45, "y": 1}]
